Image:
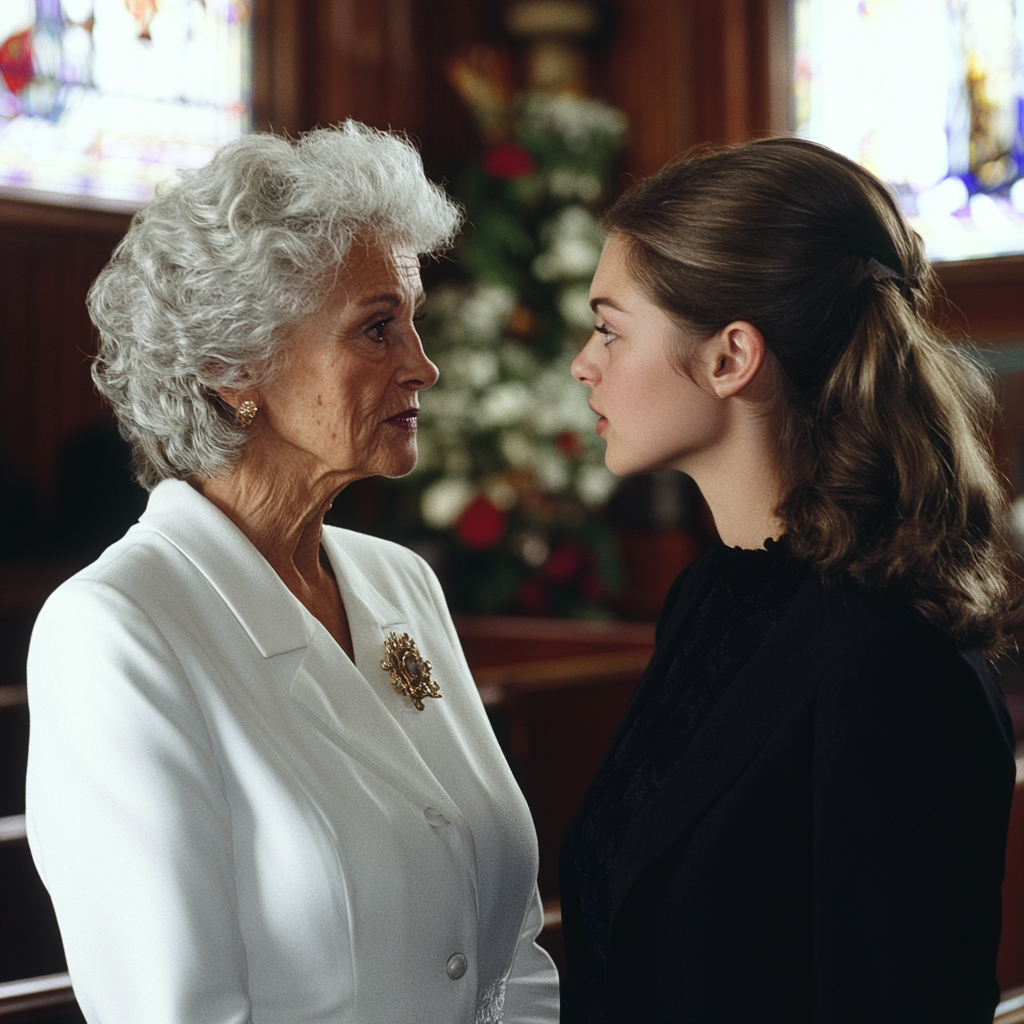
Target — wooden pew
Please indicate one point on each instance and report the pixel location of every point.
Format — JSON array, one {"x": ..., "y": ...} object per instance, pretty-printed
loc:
[
  {"x": 555, "y": 692},
  {"x": 42, "y": 998},
  {"x": 554, "y": 719}
]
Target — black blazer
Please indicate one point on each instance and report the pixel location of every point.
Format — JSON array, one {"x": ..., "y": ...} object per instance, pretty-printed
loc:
[{"x": 830, "y": 847}]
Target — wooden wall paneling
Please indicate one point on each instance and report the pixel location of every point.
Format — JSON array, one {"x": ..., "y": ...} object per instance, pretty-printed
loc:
[
  {"x": 779, "y": 69},
  {"x": 362, "y": 63},
  {"x": 734, "y": 70},
  {"x": 15, "y": 349},
  {"x": 443, "y": 28},
  {"x": 650, "y": 65},
  {"x": 693, "y": 71},
  {"x": 279, "y": 66},
  {"x": 382, "y": 63},
  {"x": 985, "y": 298},
  {"x": 46, "y": 393}
]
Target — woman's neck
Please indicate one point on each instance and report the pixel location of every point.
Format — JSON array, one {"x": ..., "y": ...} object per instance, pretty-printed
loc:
[
  {"x": 283, "y": 522},
  {"x": 743, "y": 482},
  {"x": 278, "y": 496},
  {"x": 281, "y": 510}
]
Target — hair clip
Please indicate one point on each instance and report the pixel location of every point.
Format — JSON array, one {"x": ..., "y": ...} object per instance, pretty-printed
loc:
[{"x": 880, "y": 272}]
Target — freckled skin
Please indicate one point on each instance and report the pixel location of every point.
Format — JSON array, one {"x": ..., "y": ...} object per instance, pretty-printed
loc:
[
  {"x": 342, "y": 381},
  {"x": 327, "y": 418}
]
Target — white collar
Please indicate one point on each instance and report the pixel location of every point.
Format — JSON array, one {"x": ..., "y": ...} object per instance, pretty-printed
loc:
[{"x": 258, "y": 597}]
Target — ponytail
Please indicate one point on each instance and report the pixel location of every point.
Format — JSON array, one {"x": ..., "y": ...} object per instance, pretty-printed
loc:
[
  {"x": 902, "y": 493},
  {"x": 891, "y": 478}
]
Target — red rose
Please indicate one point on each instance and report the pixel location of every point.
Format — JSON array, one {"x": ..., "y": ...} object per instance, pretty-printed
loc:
[
  {"x": 482, "y": 524},
  {"x": 565, "y": 563},
  {"x": 569, "y": 444},
  {"x": 507, "y": 160},
  {"x": 532, "y": 597}
]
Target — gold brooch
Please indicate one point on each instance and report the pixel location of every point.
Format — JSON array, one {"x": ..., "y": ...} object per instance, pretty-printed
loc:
[{"x": 410, "y": 674}]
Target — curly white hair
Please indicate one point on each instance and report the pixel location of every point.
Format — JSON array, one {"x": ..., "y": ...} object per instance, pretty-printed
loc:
[{"x": 203, "y": 290}]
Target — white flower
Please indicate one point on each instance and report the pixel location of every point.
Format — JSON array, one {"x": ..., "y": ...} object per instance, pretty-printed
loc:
[
  {"x": 534, "y": 549},
  {"x": 477, "y": 367},
  {"x": 501, "y": 493},
  {"x": 594, "y": 485},
  {"x": 561, "y": 400},
  {"x": 485, "y": 311},
  {"x": 551, "y": 469},
  {"x": 444, "y": 501},
  {"x": 518, "y": 360},
  {"x": 574, "y": 305},
  {"x": 567, "y": 184},
  {"x": 575, "y": 118},
  {"x": 567, "y": 257},
  {"x": 508, "y": 402},
  {"x": 517, "y": 449},
  {"x": 574, "y": 243},
  {"x": 445, "y": 404}
]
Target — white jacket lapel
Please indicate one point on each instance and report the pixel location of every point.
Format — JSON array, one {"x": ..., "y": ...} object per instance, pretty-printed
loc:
[
  {"x": 265, "y": 607},
  {"x": 349, "y": 700},
  {"x": 326, "y": 683}
]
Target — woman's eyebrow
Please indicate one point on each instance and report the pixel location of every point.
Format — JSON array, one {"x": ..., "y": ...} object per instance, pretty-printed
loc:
[
  {"x": 390, "y": 298},
  {"x": 594, "y": 303},
  {"x": 393, "y": 299}
]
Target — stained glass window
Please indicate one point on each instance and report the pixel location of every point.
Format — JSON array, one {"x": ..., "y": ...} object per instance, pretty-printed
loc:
[
  {"x": 929, "y": 95},
  {"x": 101, "y": 99}
]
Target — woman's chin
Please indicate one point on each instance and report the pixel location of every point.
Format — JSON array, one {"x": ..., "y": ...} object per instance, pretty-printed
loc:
[
  {"x": 620, "y": 465},
  {"x": 400, "y": 463}
]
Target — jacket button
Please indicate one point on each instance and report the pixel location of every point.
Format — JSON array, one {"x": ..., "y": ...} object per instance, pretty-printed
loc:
[{"x": 456, "y": 966}]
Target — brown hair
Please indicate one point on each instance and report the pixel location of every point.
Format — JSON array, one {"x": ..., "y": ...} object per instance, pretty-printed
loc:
[{"x": 887, "y": 433}]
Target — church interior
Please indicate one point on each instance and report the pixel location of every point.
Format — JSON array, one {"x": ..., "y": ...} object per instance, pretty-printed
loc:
[{"x": 555, "y": 571}]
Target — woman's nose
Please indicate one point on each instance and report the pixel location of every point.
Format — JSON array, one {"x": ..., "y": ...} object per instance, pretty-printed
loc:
[
  {"x": 420, "y": 372},
  {"x": 583, "y": 367}
]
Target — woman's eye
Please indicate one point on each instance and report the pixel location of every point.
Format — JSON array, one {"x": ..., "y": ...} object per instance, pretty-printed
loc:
[
  {"x": 377, "y": 330},
  {"x": 606, "y": 332}
]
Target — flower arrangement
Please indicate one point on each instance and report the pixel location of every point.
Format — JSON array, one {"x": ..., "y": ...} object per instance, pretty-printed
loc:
[{"x": 511, "y": 475}]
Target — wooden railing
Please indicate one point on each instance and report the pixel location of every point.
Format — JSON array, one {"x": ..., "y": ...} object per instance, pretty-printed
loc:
[{"x": 36, "y": 998}]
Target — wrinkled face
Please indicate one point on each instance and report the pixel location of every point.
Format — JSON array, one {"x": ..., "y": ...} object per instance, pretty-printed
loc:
[
  {"x": 346, "y": 396},
  {"x": 651, "y": 415}
]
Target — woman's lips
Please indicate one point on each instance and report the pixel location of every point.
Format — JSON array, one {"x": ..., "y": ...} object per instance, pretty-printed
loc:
[
  {"x": 602, "y": 421},
  {"x": 405, "y": 420}
]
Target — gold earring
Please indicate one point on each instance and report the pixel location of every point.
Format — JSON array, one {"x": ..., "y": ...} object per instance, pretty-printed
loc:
[{"x": 247, "y": 413}]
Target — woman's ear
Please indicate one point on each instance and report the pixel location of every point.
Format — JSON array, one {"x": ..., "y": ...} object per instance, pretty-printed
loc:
[
  {"x": 731, "y": 358},
  {"x": 233, "y": 397}
]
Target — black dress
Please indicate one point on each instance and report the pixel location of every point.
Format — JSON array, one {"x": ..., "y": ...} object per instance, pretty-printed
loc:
[{"x": 774, "y": 834}]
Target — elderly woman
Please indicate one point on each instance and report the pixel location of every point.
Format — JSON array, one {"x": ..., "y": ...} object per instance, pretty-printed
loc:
[{"x": 262, "y": 786}]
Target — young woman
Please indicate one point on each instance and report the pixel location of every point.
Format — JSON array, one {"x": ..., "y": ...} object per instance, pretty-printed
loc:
[{"x": 803, "y": 814}]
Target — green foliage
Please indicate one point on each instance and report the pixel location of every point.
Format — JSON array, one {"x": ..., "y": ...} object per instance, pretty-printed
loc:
[{"x": 511, "y": 476}]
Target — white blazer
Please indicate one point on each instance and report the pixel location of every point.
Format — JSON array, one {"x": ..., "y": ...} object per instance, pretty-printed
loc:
[{"x": 238, "y": 824}]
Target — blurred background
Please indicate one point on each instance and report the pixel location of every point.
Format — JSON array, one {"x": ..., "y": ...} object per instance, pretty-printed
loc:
[{"x": 535, "y": 114}]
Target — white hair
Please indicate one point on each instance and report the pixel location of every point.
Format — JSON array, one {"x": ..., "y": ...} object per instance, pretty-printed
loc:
[{"x": 203, "y": 290}]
